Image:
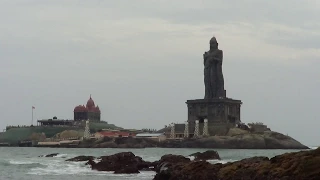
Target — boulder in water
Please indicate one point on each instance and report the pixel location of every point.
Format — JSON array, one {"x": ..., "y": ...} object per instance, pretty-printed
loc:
[
  {"x": 81, "y": 158},
  {"x": 50, "y": 155},
  {"x": 207, "y": 155},
  {"x": 124, "y": 162}
]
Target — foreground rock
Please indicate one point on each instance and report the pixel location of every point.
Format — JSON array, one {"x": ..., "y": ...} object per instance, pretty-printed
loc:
[
  {"x": 207, "y": 155},
  {"x": 168, "y": 161},
  {"x": 289, "y": 166},
  {"x": 120, "y": 163}
]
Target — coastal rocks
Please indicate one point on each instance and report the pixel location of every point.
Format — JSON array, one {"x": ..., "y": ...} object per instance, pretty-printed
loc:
[
  {"x": 168, "y": 160},
  {"x": 250, "y": 168},
  {"x": 49, "y": 155},
  {"x": 207, "y": 155},
  {"x": 81, "y": 158},
  {"x": 125, "y": 162},
  {"x": 167, "y": 163},
  {"x": 298, "y": 165},
  {"x": 200, "y": 170}
]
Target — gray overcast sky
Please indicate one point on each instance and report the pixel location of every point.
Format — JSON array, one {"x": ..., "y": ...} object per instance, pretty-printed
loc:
[{"x": 141, "y": 60}]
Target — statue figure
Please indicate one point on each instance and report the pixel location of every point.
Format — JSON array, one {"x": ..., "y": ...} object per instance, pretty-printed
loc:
[{"x": 213, "y": 76}]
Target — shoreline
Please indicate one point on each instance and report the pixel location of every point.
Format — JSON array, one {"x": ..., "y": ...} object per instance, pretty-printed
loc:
[{"x": 302, "y": 164}]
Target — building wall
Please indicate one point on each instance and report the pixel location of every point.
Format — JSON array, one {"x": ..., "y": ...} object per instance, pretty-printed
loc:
[
  {"x": 93, "y": 116},
  {"x": 215, "y": 110},
  {"x": 79, "y": 116},
  {"x": 155, "y": 138}
]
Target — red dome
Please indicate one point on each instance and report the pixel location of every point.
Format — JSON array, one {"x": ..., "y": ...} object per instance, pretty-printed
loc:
[
  {"x": 80, "y": 108},
  {"x": 90, "y": 103}
]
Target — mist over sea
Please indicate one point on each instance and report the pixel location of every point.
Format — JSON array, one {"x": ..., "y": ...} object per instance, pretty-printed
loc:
[{"x": 17, "y": 163}]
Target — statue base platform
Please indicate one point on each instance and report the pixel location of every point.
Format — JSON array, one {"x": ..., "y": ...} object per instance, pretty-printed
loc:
[{"x": 216, "y": 110}]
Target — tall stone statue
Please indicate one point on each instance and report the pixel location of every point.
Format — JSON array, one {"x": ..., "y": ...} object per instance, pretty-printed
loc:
[{"x": 213, "y": 76}]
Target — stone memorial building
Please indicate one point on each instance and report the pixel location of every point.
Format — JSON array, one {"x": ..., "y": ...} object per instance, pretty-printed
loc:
[
  {"x": 216, "y": 108},
  {"x": 89, "y": 112},
  {"x": 216, "y": 113}
]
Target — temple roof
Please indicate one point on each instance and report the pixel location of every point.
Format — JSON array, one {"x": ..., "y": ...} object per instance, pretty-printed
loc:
[{"x": 90, "y": 107}]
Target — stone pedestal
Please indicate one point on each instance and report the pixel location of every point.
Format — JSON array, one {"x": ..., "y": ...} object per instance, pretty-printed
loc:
[{"x": 217, "y": 110}]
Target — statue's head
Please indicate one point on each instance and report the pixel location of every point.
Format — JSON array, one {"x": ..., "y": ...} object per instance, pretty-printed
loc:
[{"x": 213, "y": 43}]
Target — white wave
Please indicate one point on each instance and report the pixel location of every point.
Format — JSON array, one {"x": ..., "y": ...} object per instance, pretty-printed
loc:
[
  {"x": 21, "y": 162},
  {"x": 79, "y": 168},
  {"x": 61, "y": 168},
  {"x": 61, "y": 155},
  {"x": 313, "y": 147},
  {"x": 215, "y": 161},
  {"x": 191, "y": 158}
]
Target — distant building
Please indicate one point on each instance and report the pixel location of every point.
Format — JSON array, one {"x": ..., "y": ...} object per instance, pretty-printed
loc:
[
  {"x": 54, "y": 122},
  {"x": 154, "y": 136},
  {"x": 90, "y": 111},
  {"x": 112, "y": 134}
]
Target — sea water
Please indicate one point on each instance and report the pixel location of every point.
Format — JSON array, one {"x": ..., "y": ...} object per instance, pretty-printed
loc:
[{"x": 17, "y": 163}]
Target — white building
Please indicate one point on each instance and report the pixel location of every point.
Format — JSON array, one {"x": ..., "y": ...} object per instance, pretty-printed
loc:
[{"x": 154, "y": 136}]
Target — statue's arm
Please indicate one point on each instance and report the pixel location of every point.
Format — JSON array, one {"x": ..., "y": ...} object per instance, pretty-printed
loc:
[
  {"x": 219, "y": 57},
  {"x": 204, "y": 58}
]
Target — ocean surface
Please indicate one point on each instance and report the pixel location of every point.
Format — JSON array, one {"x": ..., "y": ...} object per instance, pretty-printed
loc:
[{"x": 24, "y": 164}]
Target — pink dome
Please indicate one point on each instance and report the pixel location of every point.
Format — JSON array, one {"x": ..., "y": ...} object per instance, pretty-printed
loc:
[{"x": 90, "y": 104}]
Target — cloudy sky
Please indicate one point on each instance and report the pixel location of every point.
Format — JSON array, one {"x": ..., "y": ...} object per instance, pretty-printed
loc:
[{"x": 141, "y": 60}]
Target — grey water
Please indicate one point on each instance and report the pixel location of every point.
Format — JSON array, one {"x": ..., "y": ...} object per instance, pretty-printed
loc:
[{"x": 17, "y": 163}]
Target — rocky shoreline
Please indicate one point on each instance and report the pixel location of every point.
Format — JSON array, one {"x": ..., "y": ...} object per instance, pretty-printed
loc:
[
  {"x": 297, "y": 165},
  {"x": 235, "y": 139},
  {"x": 266, "y": 140}
]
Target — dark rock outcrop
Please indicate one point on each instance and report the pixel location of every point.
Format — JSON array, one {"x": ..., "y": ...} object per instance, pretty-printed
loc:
[
  {"x": 289, "y": 166},
  {"x": 81, "y": 158},
  {"x": 125, "y": 162},
  {"x": 168, "y": 160},
  {"x": 50, "y": 155},
  {"x": 199, "y": 170},
  {"x": 207, "y": 155}
]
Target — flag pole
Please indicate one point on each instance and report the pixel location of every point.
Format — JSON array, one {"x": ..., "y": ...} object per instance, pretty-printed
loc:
[{"x": 32, "y": 116}]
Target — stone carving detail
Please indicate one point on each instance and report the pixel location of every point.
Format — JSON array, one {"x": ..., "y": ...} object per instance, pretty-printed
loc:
[{"x": 213, "y": 76}]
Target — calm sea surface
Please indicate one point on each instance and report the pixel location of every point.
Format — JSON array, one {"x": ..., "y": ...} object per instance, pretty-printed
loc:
[{"x": 24, "y": 164}]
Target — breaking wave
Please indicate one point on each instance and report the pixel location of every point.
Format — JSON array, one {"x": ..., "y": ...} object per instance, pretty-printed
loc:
[{"x": 214, "y": 161}]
